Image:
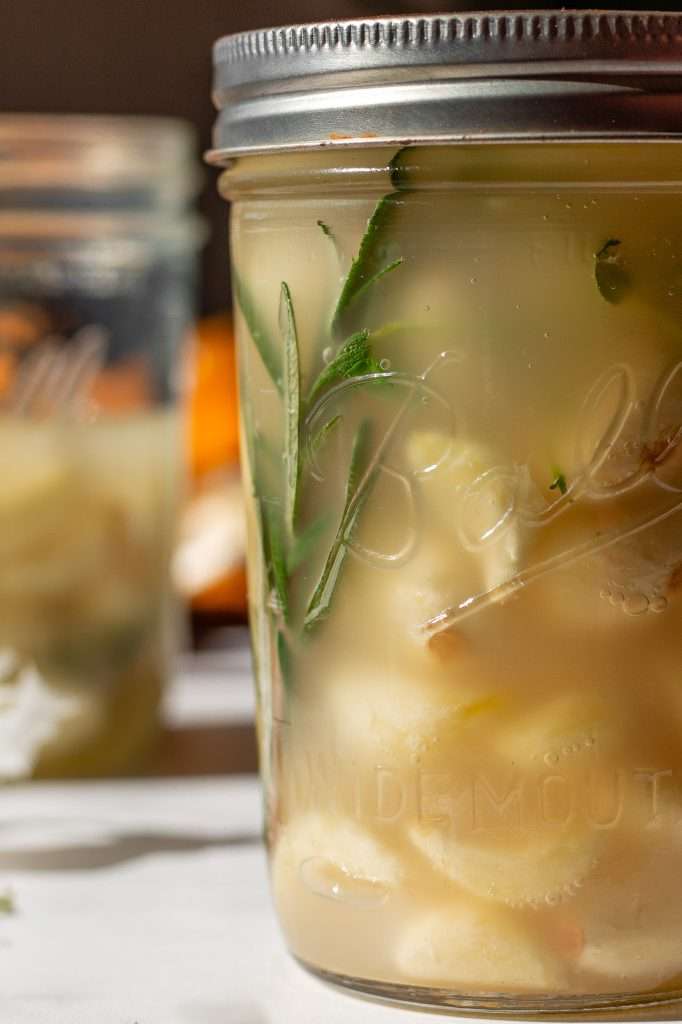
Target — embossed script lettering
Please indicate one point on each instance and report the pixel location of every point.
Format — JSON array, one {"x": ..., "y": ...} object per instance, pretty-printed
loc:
[{"x": 622, "y": 423}]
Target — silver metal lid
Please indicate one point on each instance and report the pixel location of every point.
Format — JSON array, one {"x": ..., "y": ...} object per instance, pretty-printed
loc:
[{"x": 463, "y": 77}]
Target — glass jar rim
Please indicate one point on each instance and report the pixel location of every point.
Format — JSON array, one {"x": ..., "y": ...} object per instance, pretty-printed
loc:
[
  {"x": 518, "y": 75},
  {"x": 97, "y": 154}
]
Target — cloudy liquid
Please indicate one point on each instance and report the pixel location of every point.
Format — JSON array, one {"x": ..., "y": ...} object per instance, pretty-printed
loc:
[
  {"x": 470, "y": 733},
  {"x": 86, "y": 523}
]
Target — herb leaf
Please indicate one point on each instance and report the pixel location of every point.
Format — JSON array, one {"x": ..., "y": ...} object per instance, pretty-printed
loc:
[
  {"x": 397, "y": 170},
  {"x": 275, "y": 556},
  {"x": 326, "y": 230},
  {"x": 305, "y": 543},
  {"x": 559, "y": 482},
  {"x": 606, "y": 251},
  {"x": 320, "y": 438},
  {"x": 360, "y": 477},
  {"x": 353, "y": 359},
  {"x": 292, "y": 404},
  {"x": 613, "y": 280},
  {"x": 267, "y": 349},
  {"x": 285, "y": 660},
  {"x": 328, "y": 233},
  {"x": 373, "y": 260},
  {"x": 377, "y": 277}
]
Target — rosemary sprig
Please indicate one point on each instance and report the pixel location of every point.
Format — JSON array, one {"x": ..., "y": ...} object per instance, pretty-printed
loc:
[
  {"x": 374, "y": 260},
  {"x": 319, "y": 440},
  {"x": 559, "y": 482},
  {"x": 326, "y": 230},
  {"x": 285, "y": 660},
  {"x": 267, "y": 349},
  {"x": 305, "y": 543},
  {"x": 352, "y": 359},
  {"x": 292, "y": 405},
  {"x": 275, "y": 556},
  {"x": 397, "y": 170},
  {"x": 613, "y": 280},
  {"x": 357, "y": 487}
]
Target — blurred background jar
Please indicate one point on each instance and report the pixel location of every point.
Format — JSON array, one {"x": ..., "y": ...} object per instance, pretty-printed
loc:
[{"x": 98, "y": 251}]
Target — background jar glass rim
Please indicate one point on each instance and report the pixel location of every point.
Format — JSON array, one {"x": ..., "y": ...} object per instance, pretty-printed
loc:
[{"x": 87, "y": 161}]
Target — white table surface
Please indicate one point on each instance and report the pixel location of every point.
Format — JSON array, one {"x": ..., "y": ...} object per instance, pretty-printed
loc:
[{"x": 146, "y": 902}]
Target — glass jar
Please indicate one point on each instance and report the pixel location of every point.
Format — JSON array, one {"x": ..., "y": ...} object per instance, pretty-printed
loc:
[
  {"x": 459, "y": 320},
  {"x": 97, "y": 271}
]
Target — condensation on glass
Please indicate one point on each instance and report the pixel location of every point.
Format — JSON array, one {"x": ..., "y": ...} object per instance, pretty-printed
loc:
[
  {"x": 458, "y": 286},
  {"x": 97, "y": 258}
]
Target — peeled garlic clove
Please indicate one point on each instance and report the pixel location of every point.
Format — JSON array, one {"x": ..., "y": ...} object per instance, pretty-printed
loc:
[
  {"x": 392, "y": 716},
  {"x": 333, "y": 858},
  {"x": 474, "y": 949},
  {"x": 630, "y": 915},
  {"x": 642, "y": 957},
  {"x": 563, "y": 731},
  {"x": 471, "y": 492},
  {"x": 521, "y": 869}
]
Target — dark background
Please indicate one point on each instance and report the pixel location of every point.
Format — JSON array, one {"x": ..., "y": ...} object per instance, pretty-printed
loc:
[{"x": 154, "y": 57}]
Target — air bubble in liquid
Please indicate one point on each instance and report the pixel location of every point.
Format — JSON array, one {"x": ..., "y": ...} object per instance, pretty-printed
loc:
[
  {"x": 385, "y": 364},
  {"x": 327, "y": 355},
  {"x": 659, "y": 604},
  {"x": 617, "y": 597},
  {"x": 327, "y": 879}
]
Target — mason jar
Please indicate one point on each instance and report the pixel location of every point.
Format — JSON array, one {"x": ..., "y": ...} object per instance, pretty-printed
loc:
[
  {"x": 97, "y": 271},
  {"x": 457, "y": 271}
]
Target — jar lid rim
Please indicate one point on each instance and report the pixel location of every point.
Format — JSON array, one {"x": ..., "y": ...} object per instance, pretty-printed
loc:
[
  {"x": 339, "y": 75},
  {"x": 548, "y": 34}
]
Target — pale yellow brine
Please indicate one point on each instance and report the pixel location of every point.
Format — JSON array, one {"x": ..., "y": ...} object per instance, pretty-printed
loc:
[
  {"x": 87, "y": 515},
  {"x": 462, "y": 400}
]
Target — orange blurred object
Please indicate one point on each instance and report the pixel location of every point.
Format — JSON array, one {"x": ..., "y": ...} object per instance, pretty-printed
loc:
[
  {"x": 122, "y": 388},
  {"x": 214, "y": 447},
  {"x": 213, "y": 408},
  {"x": 228, "y": 595},
  {"x": 7, "y": 367},
  {"x": 22, "y": 324}
]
